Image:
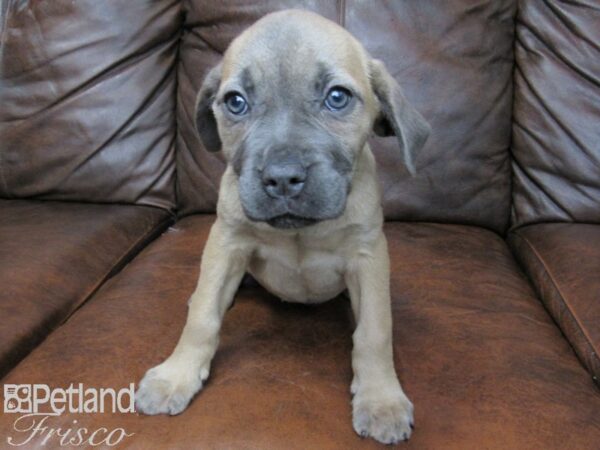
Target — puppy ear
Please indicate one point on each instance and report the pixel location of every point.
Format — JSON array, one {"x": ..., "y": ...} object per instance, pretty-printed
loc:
[
  {"x": 396, "y": 116},
  {"x": 206, "y": 124}
]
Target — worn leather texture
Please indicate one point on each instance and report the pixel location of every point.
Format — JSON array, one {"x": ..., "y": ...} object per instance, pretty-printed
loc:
[
  {"x": 556, "y": 136},
  {"x": 54, "y": 256},
  {"x": 454, "y": 60},
  {"x": 474, "y": 348},
  {"x": 87, "y": 94},
  {"x": 563, "y": 262}
]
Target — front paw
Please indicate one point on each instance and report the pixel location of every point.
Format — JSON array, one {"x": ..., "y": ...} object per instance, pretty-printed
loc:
[
  {"x": 166, "y": 389},
  {"x": 383, "y": 415}
]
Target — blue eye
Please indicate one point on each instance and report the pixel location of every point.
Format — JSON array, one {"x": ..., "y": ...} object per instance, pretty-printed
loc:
[
  {"x": 337, "y": 98},
  {"x": 236, "y": 103}
]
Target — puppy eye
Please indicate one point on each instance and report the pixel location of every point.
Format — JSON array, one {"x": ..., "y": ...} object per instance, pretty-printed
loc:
[
  {"x": 236, "y": 103},
  {"x": 337, "y": 98}
]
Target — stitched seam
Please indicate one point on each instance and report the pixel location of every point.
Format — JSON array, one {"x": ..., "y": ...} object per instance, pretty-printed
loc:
[
  {"x": 511, "y": 179},
  {"x": 551, "y": 277},
  {"x": 176, "y": 66},
  {"x": 127, "y": 256},
  {"x": 4, "y": 11}
]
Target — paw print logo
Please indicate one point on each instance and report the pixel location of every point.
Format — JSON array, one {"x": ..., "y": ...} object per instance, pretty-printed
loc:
[{"x": 17, "y": 398}]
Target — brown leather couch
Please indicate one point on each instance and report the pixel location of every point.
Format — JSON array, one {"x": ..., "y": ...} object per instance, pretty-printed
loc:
[{"x": 106, "y": 198}]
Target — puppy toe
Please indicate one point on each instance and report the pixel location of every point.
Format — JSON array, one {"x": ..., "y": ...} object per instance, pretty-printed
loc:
[
  {"x": 164, "y": 393},
  {"x": 385, "y": 420}
]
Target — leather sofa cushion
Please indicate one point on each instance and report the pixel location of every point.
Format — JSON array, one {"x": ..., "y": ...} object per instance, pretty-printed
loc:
[
  {"x": 454, "y": 62},
  {"x": 563, "y": 261},
  {"x": 87, "y": 94},
  {"x": 555, "y": 145},
  {"x": 53, "y": 256},
  {"x": 475, "y": 350}
]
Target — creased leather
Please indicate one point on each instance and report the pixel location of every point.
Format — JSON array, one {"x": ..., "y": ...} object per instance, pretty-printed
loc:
[
  {"x": 87, "y": 94},
  {"x": 556, "y": 132}
]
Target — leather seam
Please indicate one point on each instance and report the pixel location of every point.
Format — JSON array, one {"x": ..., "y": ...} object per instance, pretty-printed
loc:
[
  {"x": 552, "y": 279},
  {"x": 141, "y": 243},
  {"x": 126, "y": 256},
  {"x": 342, "y": 13},
  {"x": 4, "y": 11}
]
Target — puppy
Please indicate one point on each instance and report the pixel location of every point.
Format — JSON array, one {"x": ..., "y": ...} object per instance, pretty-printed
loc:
[{"x": 291, "y": 107}]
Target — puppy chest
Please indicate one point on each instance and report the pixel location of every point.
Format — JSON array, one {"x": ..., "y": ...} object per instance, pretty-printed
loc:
[{"x": 298, "y": 274}]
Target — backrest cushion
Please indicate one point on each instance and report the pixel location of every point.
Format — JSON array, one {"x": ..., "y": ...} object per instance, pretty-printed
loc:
[
  {"x": 87, "y": 94},
  {"x": 556, "y": 129}
]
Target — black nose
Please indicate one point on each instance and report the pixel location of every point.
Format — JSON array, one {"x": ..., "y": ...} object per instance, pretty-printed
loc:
[{"x": 284, "y": 179}]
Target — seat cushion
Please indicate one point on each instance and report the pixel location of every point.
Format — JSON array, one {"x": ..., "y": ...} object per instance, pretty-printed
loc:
[
  {"x": 563, "y": 261},
  {"x": 53, "y": 256},
  {"x": 474, "y": 348}
]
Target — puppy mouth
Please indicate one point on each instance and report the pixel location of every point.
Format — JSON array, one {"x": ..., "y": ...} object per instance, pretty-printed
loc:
[{"x": 290, "y": 221}]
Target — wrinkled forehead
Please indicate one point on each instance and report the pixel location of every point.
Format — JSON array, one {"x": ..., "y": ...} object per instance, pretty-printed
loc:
[{"x": 294, "y": 52}]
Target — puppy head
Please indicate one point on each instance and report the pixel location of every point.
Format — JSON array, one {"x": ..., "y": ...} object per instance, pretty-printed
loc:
[{"x": 291, "y": 106}]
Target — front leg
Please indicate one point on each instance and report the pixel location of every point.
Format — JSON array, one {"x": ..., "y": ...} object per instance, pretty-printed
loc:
[
  {"x": 380, "y": 407},
  {"x": 169, "y": 387}
]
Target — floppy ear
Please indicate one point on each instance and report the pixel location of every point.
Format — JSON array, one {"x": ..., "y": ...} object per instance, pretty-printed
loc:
[
  {"x": 206, "y": 124},
  {"x": 396, "y": 116}
]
